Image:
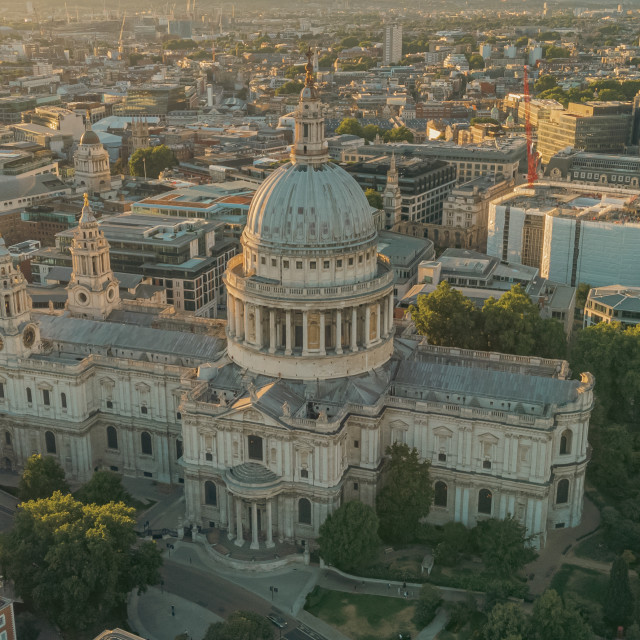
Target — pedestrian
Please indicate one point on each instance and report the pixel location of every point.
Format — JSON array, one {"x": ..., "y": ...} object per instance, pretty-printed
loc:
[
  {"x": 405, "y": 595},
  {"x": 355, "y": 587},
  {"x": 389, "y": 586},
  {"x": 404, "y": 585}
]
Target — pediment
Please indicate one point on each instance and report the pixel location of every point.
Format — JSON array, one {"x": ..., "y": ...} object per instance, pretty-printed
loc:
[
  {"x": 251, "y": 415},
  {"x": 399, "y": 424},
  {"x": 488, "y": 437},
  {"x": 443, "y": 431}
]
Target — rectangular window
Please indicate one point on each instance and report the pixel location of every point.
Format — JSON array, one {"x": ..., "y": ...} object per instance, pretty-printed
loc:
[
  {"x": 299, "y": 264},
  {"x": 356, "y": 444},
  {"x": 304, "y": 473},
  {"x": 326, "y": 264},
  {"x": 285, "y": 264},
  {"x": 350, "y": 262},
  {"x": 45, "y": 397},
  {"x": 312, "y": 264},
  {"x": 1, "y": 391},
  {"x": 339, "y": 264},
  {"x": 273, "y": 262},
  {"x": 263, "y": 260}
]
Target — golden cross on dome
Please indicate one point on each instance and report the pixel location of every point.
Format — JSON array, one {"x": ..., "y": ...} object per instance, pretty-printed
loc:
[{"x": 310, "y": 78}]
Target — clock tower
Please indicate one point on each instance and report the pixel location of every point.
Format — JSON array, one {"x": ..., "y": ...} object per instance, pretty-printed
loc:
[
  {"x": 19, "y": 335},
  {"x": 93, "y": 291}
]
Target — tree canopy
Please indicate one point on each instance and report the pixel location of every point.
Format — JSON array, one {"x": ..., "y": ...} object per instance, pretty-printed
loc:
[
  {"x": 504, "y": 546},
  {"x": 75, "y": 562},
  {"x": 41, "y": 477},
  {"x": 349, "y": 536},
  {"x": 291, "y": 87},
  {"x": 406, "y": 496},
  {"x": 102, "y": 488},
  {"x": 151, "y": 161},
  {"x": 241, "y": 625},
  {"x": 374, "y": 198},
  {"x": 618, "y": 604},
  {"x": 510, "y": 324}
]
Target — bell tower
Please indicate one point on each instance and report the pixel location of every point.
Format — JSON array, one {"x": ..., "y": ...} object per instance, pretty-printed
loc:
[
  {"x": 92, "y": 291},
  {"x": 19, "y": 336},
  {"x": 392, "y": 196}
]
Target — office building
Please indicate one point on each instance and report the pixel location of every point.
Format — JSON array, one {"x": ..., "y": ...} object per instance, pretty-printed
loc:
[
  {"x": 600, "y": 127},
  {"x": 613, "y": 304},
  {"x": 573, "y": 234}
]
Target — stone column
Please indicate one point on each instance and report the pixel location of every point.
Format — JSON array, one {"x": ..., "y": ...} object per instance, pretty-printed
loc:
[
  {"x": 239, "y": 536},
  {"x": 378, "y": 321},
  {"x": 231, "y": 315},
  {"x": 246, "y": 322},
  {"x": 354, "y": 329},
  {"x": 254, "y": 526},
  {"x": 305, "y": 333},
  {"x": 229, "y": 515},
  {"x": 270, "y": 542},
  {"x": 367, "y": 325},
  {"x": 339, "y": 331},
  {"x": 258, "y": 321},
  {"x": 322, "y": 336},
  {"x": 391, "y": 313},
  {"x": 287, "y": 351},
  {"x": 272, "y": 331},
  {"x": 238, "y": 317},
  {"x": 385, "y": 319}
]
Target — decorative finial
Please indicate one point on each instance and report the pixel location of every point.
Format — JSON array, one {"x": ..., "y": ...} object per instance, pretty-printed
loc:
[
  {"x": 309, "y": 80},
  {"x": 86, "y": 199}
]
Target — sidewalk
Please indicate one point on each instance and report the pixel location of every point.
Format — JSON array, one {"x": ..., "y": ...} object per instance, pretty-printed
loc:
[
  {"x": 435, "y": 626},
  {"x": 150, "y": 616}
]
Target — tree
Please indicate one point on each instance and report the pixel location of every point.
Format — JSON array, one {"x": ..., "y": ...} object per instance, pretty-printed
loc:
[
  {"x": 428, "y": 602},
  {"x": 104, "y": 487},
  {"x": 399, "y": 134},
  {"x": 241, "y": 625},
  {"x": 292, "y": 72},
  {"x": 618, "y": 604},
  {"x": 351, "y": 127},
  {"x": 293, "y": 86},
  {"x": 41, "y": 477},
  {"x": 151, "y": 161},
  {"x": 349, "y": 41},
  {"x": 349, "y": 536},
  {"x": 505, "y": 620},
  {"x": 118, "y": 167},
  {"x": 76, "y": 563},
  {"x": 504, "y": 546},
  {"x": 406, "y": 496},
  {"x": 544, "y": 83},
  {"x": 551, "y": 619},
  {"x": 582, "y": 293},
  {"x": 446, "y": 317},
  {"x": 370, "y": 131},
  {"x": 476, "y": 61},
  {"x": 374, "y": 198}
]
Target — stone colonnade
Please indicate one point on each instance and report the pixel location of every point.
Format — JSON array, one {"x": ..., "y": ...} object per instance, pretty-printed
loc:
[{"x": 288, "y": 331}]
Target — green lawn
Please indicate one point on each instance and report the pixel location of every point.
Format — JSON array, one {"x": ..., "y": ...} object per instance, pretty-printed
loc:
[
  {"x": 595, "y": 548},
  {"x": 585, "y": 589},
  {"x": 362, "y": 617}
]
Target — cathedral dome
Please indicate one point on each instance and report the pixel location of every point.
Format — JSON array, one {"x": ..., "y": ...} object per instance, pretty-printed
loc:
[
  {"x": 89, "y": 137},
  {"x": 302, "y": 205}
]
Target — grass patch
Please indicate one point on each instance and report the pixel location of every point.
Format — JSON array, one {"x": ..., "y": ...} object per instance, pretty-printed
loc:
[
  {"x": 584, "y": 589},
  {"x": 595, "y": 548},
  {"x": 469, "y": 631},
  {"x": 360, "y": 616}
]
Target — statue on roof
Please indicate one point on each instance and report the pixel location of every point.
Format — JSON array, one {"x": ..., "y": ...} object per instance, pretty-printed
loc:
[{"x": 310, "y": 79}]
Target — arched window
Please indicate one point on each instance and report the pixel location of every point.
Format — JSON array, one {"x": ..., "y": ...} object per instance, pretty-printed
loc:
[
  {"x": 112, "y": 438},
  {"x": 7, "y": 438},
  {"x": 440, "y": 497},
  {"x": 210, "y": 495},
  {"x": 562, "y": 492},
  {"x": 565, "y": 442},
  {"x": 29, "y": 395},
  {"x": 304, "y": 511},
  {"x": 50, "y": 441},
  {"x": 63, "y": 400},
  {"x": 255, "y": 448},
  {"x": 145, "y": 443},
  {"x": 484, "y": 501}
]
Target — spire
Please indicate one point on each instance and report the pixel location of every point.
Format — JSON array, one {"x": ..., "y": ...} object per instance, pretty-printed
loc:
[{"x": 87, "y": 216}]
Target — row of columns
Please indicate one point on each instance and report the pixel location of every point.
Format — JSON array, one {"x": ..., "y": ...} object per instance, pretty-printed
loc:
[
  {"x": 237, "y": 526},
  {"x": 238, "y": 322}
]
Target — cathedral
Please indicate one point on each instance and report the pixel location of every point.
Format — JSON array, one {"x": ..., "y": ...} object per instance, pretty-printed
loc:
[{"x": 274, "y": 424}]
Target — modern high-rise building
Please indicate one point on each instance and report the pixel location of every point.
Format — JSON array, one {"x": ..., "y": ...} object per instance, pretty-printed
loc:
[
  {"x": 392, "y": 50},
  {"x": 572, "y": 234},
  {"x": 600, "y": 127}
]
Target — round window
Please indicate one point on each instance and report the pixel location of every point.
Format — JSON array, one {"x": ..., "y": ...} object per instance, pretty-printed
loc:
[{"x": 82, "y": 297}]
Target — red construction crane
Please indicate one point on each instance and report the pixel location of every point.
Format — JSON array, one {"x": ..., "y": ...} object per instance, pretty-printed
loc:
[{"x": 532, "y": 157}]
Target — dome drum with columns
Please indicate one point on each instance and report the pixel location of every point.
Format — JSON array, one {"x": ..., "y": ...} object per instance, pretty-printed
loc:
[{"x": 310, "y": 296}]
